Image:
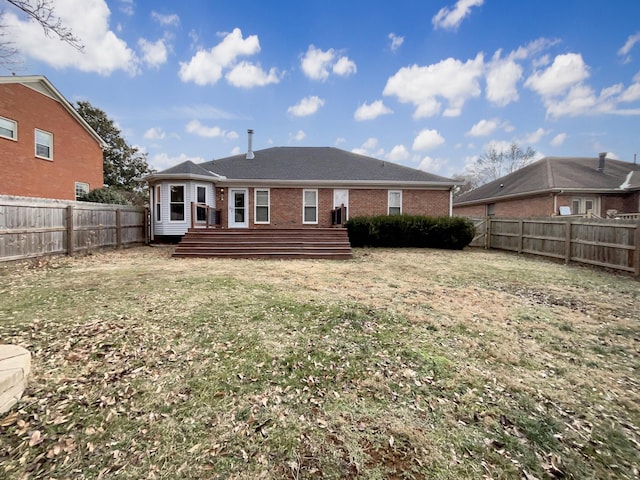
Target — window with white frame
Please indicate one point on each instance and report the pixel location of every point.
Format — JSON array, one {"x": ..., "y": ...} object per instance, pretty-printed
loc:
[
  {"x": 44, "y": 145},
  {"x": 395, "y": 202},
  {"x": 201, "y": 198},
  {"x": 82, "y": 189},
  {"x": 8, "y": 128},
  {"x": 261, "y": 214},
  {"x": 584, "y": 205},
  {"x": 310, "y": 206},
  {"x": 176, "y": 203},
  {"x": 158, "y": 204}
]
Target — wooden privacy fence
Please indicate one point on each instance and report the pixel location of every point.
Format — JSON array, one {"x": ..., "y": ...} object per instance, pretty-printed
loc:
[
  {"x": 32, "y": 228},
  {"x": 605, "y": 243}
]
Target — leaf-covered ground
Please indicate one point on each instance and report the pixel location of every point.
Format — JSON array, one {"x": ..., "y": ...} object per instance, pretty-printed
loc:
[{"x": 399, "y": 364}]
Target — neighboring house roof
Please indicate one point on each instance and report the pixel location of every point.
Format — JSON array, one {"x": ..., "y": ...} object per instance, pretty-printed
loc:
[
  {"x": 317, "y": 165},
  {"x": 555, "y": 174},
  {"x": 42, "y": 85}
]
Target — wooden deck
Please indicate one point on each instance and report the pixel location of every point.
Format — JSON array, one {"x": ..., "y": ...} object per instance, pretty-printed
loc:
[{"x": 319, "y": 243}]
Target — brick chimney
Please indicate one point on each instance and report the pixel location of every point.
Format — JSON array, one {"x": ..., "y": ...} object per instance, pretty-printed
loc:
[
  {"x": 250, "y": 154},
  {"x": 601, "y": 160}
]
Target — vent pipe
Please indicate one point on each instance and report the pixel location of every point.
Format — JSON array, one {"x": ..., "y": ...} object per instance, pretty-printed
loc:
[
  {"x": 601, "y": 161},
  {"x": 250, "y": 155}
]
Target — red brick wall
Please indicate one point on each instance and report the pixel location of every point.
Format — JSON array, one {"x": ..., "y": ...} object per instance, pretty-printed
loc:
[
  {"x": 470, "y": 211},
  {"x": 286, "y": 205},
  {"x": 541, "y": 206},
  {"x": 77, "y": 157}
]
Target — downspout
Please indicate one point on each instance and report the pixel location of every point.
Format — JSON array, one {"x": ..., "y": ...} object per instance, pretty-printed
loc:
[{"x": 451, "y": 202}]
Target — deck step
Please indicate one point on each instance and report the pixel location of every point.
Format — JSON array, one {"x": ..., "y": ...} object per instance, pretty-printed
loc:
[{"x": 319, "y": 243}]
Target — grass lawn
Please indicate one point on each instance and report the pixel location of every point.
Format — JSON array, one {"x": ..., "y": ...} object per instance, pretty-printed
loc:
[{"x": 398, "y": 364}]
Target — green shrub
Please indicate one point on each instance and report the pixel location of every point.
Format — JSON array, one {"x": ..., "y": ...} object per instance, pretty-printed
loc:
[
  {"x": 452, "y": 233},
  {"x": 105, "y": 195}
]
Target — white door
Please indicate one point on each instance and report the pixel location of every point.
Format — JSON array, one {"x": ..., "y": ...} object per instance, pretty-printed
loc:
[
  {"x": 341, "y": 197},
  {"x": 238, "y": 208}
]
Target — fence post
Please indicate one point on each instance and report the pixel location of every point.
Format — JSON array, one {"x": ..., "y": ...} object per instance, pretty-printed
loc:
[
  {"x": 118, "y": 229},
  {"x": 488, "y": 239},
  {"x": 636, "y": 253},
  {"x": 567, "y": 241},
  {"x": 146, "y": 222},
  {"x": 70, "y": 229},
  {"x": 520, "y": 235}
]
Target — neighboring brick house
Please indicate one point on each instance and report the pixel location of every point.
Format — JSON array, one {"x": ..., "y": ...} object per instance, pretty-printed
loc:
[
  {"x": 47, "y": 149},
  {"x": 557, "y": 185},
  {"x": 286, "y": 187}
]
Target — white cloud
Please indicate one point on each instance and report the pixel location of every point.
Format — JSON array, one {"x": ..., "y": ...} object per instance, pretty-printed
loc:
[
  {"x": 154, "y": 54},
  {"x": 399, "y": 153},
  {"x": 449, "y": 79},
  {"x": 154, "y": 133},
  {"x": 370, "y": 148},
  {"x": 206, "y": 66},
  {"x": 632, "y": 93},
  {"x": 248, "y": 75},
  {"x": 316, "y": 64},
  {"x": 534, "y": 137},
  {"x": 236, "y": 151},
  {"x": 558, "y": 139},
  {"x": 396, "y": 42},
  {"x": 196, "y": 128},
  {"x": 483, "y": 128},
  {"x": 298, "y": 136},
  {"x": 371, "y": 111},
  {"x": 344, "y": 67},
  {"x": 162, "y": 161},
  {"x": 306, "y": 106},
  {"x": 502, "y": 78},
  {"x": 626, "y": 48},
  {"x": 428, "y": 164},
  {"x": 104, "y": 51},
  {"x": 171, "y": 20},
  {"x": 566, "y": 71},
  {"x": 427, "y": 140},
  {"x": 450, "y": 18},
  {"x": 126, "y": 7}
]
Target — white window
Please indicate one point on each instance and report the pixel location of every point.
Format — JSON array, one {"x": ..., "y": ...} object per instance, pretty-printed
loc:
[
  {"x": 310, "y": 206},
  {"x": 158, "y": 204},
  {"x": 261, "y": 214},
  {"x": 44, "y": 145},
  {"x": 584, "y": 205},
  {"x": 176, "y": 203},
  {"x": 8, "y": 128},
  {"x": 395, "y": 202},
  {"x": 201, "y": 198},
  {"x": 81, "y": 189}
]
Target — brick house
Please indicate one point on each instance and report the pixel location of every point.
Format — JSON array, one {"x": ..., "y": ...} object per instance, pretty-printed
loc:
[
  {"x": 290, "y": 187},
  {"x": 557, "y": 186},
  {"x": 47, "y": 149}
]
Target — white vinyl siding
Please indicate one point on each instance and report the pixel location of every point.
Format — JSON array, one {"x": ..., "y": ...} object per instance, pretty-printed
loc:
[
  {"x": 8, "y": 129},
  {"x": 310, "y": 206},
  {"x": 162, "y": 191}
]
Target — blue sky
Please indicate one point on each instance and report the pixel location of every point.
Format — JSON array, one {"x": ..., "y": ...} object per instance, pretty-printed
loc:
[{"x": 424, "y": 83}]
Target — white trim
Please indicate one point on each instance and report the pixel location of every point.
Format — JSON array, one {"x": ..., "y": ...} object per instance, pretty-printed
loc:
[
  {"x": 255, "y": 206},
  {"x": 35, "y": 144},
  {"x": 389, "y": 192},
  {"x": 304, "y": 205},
  {"x": 346, "y": 203},
  {"x": 15, "y": 129},
  {"x": 184, "y": 202},
  {"x": 196, "y": 187},
  {"x": 231, "y": 208},
  {"x": 157, "y": 198}
]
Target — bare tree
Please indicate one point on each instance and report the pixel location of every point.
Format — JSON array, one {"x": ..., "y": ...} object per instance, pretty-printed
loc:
[
  {"x": 494, "y": 163},
  {"x": 42, "y": 12}
]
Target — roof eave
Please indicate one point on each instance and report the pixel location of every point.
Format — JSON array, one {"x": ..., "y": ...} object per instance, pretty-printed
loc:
[
  {"x": 539, "y": 192},
  {"x": 154, "y": 177},
  {"x": 24, "y": 80},
  {"x": 336, "y": 183}
]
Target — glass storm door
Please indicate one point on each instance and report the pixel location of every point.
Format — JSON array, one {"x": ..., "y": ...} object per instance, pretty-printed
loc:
[{"x": 238, "y": 217}]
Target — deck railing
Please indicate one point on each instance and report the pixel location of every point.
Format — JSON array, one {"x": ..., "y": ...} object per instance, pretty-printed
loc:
[
  {"x": 204, "y": 216},
  {"x": 339, "y": 216}
]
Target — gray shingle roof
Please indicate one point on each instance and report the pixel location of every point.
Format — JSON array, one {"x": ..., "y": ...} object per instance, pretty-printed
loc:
[
  {"x": 319, "y": 164},
  {"x": 188, "y": 168},
  {"x": 559, "y": 173}
]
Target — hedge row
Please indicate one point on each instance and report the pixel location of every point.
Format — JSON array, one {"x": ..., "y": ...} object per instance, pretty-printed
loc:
[{"x": 453, "y": 233}]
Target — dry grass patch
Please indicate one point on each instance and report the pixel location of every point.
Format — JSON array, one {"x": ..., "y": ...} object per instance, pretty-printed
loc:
[{"x": 397, "y": 364}]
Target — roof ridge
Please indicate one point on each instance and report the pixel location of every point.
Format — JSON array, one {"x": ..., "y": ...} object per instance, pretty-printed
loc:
[{"x": 551, "y": 181}]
